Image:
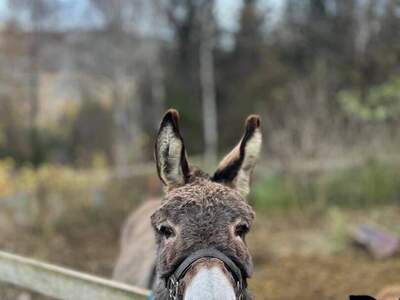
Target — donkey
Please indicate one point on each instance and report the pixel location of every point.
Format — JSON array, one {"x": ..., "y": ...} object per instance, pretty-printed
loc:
[{"x": 200, "y": 226}]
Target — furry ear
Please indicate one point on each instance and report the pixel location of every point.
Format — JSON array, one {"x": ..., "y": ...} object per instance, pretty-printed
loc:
[
  {"x": 237, "y": 167},
  {"x": 172, "y": 165}
]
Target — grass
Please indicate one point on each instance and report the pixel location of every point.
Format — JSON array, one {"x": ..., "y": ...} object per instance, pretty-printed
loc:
[{"x": 374, "y": 183}]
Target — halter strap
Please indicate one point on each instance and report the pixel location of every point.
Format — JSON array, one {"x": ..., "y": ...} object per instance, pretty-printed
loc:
[{"x": 181, "y": 270}]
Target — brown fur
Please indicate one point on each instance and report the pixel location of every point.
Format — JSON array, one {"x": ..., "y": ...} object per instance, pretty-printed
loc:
[
  {"x": 138, "y": 248},
  {"x": 200, "y": 212}
]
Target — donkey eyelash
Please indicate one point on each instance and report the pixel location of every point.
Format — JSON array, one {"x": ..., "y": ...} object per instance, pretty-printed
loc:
[
  {"x": 166, "y": 231},
  {"x": 241, "y": 230}
]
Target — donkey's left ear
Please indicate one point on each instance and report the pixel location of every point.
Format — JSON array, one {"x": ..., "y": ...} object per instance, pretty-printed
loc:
[{"x": 236, "y": 168}]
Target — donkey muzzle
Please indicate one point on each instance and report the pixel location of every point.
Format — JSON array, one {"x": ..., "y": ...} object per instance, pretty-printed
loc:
[{"x": 211, "y": 280}]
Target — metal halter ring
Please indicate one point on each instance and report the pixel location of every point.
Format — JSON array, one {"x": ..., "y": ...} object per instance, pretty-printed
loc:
[{"x": 173, "y": 287}]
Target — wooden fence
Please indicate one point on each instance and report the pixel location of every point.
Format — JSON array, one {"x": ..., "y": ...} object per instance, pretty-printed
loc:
[{"x": 61, "y": 283}]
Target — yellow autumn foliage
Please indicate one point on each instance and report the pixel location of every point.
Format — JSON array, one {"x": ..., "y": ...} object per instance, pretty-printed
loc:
[
  {"x": 7, "y": 183},
  {"x": 48, "y": 179}
]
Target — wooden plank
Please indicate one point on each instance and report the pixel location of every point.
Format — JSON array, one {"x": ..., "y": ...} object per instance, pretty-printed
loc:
[{"x": 61, "y": 283}]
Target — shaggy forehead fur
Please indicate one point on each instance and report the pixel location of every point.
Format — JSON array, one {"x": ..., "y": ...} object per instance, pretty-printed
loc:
[{"x": 197, "y": 197}]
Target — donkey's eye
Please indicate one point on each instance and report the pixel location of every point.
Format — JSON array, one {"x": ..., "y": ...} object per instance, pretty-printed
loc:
[
  {"x": 165, "y": 230},
  {"x": 241, "y": 230}
]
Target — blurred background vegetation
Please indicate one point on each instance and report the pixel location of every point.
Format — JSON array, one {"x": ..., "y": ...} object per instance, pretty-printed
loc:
[{"x": 83, "y": 85}]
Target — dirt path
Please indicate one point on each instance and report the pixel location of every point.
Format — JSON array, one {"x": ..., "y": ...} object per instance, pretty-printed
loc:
[{"x": 329, "y": 277}]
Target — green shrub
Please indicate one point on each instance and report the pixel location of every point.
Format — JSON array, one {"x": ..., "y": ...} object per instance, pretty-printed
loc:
[
  {"x": 282, "y": 192},
  {"x": 373, "y": 183}
]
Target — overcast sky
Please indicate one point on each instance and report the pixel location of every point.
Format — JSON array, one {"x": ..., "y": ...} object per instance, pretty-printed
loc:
[{"x": 227, "y": 10}]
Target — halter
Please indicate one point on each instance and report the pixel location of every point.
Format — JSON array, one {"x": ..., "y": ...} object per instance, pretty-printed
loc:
[{"x": 173, "y": 282}]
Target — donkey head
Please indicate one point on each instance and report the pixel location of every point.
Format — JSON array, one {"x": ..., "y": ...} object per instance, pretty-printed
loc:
[{"x": 201, "y": 225}]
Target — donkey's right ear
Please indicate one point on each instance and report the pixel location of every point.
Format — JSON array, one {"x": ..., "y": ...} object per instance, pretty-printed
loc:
[{"x": 170, "y": 154}]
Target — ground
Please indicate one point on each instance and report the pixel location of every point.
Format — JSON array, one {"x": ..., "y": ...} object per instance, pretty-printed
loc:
[
  {"x": 297, "y": 255},
  {"x": 298, "y": 260}
]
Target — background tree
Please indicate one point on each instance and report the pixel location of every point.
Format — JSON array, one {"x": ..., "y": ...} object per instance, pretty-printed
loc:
[
  {"x": 207, "y": 79},
  {"x": 314, "y": 69},
  {"x": 38, "y": 16}
]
